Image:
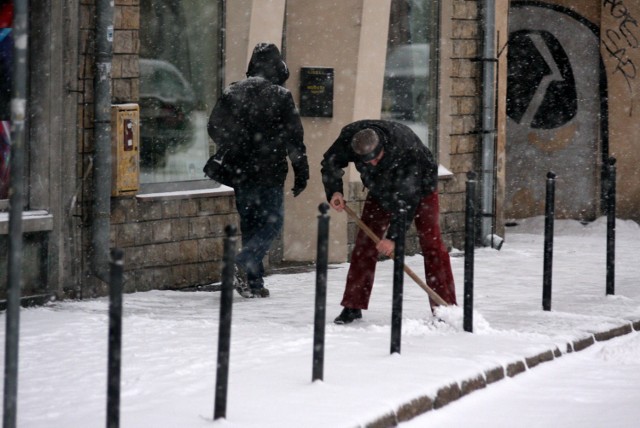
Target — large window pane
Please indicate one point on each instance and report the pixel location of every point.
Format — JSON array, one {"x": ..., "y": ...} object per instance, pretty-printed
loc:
[
  {"x": 180, "y": 59},
  {"x": 410, "y": 81}
]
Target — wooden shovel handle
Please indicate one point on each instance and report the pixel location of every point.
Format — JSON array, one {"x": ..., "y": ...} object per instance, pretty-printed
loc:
[{"x": 436, "y": 298}]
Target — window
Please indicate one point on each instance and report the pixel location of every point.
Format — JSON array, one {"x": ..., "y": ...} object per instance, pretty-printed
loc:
[
  {"x": 411, "y": 76},
  {"x": 180, "y": 80}
]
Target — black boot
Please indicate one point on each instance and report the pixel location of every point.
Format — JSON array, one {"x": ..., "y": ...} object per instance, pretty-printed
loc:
[
  {"x": 348, "y": 315},
  {"x": 240, "y": 283},
  {"x": 260, "y": 292}
]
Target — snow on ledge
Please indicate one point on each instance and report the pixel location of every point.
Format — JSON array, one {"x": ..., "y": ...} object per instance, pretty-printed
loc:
[
  {"x": 182, "y": 194},
  {"x": 32, "y": 221},
  {"x": 444, "y": 172},
  {"x": 223, "y": 190},
  {"x": 28, "y": 215}
]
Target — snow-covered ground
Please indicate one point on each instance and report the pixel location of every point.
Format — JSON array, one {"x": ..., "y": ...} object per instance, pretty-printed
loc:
[
  {"x": 597, "y": 387},
  {"x": 170, "y": 341}
]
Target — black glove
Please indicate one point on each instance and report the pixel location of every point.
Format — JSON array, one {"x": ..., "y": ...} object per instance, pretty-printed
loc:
[{"x": 300, "y": 183}]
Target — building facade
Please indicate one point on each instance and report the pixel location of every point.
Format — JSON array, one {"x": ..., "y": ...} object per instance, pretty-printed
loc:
[{"x": 508, "y": 89}]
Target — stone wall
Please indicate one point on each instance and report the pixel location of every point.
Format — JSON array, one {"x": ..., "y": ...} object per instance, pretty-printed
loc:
[
  {"x": 465, "y": 77},
  {"x": 172, "y": 242},
  {"x": 126, "y": 45},
  {"x": 33, "y": 259}
]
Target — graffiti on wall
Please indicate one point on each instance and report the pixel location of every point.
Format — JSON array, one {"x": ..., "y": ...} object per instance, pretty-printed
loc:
[
  {"x": 620, "y": 40},
  {"x": 541, "y": 83},
  {"x": 553, "y": 111}
]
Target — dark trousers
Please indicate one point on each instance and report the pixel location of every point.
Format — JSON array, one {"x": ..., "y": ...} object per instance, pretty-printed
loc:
[
  {"x": 437, "y": 264},
  {"x": 261, "y": 211}
]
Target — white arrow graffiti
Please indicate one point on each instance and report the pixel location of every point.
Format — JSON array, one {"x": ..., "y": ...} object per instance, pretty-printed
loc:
[{"x": 541, "y": 90}]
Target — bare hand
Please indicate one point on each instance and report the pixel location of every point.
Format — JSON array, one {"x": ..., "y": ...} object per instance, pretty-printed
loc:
[
  {"x": 386, "y": 247},
  {"x": 337, "y": 202}
]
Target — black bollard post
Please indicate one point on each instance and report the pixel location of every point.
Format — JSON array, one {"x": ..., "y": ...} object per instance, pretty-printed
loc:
[
  {"x": 398, "y": 281},
  {"x": 611, "y": 225},
  {"x": 19, "y": 112},
  {"x": 322, "y": 260},
  {"x": 115, "y": 338},
  {"x": 548, "y": 241},
  {"x": 469, "y": 244},
  {"x": 224, "y": 328}
]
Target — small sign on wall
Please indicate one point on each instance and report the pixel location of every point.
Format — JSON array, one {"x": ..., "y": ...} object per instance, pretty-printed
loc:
[{"x": 316, "y": 92}]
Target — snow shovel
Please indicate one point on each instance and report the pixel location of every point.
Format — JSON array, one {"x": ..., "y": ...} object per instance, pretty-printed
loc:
[{"x": 436, "y": 298}]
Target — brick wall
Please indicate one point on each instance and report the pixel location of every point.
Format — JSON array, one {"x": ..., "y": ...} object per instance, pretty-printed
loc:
[
  {"x": 466, "y": 42},
  {"x": 126, "y": 45},
  {"x": 172, "y": 243}
]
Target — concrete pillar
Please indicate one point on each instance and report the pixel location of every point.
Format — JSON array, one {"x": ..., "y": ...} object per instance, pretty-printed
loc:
[{"x": 349, "y": 36}]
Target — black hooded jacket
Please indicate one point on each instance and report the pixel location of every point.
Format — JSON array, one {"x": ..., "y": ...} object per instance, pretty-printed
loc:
[
  {"x": 256, "y": 119},
  {"x": 407, "y": 171}
]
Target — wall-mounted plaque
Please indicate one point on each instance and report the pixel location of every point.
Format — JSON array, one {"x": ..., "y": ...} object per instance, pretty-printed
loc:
[{"x": 316, "y": 92}]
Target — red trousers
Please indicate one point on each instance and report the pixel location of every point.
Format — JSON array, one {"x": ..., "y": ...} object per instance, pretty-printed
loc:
[{"x": 437, "y": 265}]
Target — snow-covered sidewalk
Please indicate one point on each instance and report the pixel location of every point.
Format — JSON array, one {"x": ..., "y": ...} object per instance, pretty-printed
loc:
[{"x": 170, "y": 340}]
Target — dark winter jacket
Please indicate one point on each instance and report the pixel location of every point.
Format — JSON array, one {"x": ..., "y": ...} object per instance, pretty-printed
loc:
[
  {"x": 407, "y": 171},
  {"x": 257, "y": 120}
]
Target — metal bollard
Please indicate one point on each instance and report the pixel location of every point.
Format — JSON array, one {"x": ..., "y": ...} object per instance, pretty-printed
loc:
[
  {"x": 224, "y": 328},
  {"x": 398, "y": 281},
  {"x": 548, "y": 241},
  {"x": 16, "y": 203},
  {"x": 115, "y": 338},
  {"x": 469, "y": 244},
  {"x": 611, "y": 225},
  {"x": 322, "y": 257}
]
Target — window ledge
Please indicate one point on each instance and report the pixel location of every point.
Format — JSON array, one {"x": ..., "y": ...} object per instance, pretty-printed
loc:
[
  {"x": 444, "y": 172},
  {"x": 32, "y": 221},
  {"x": 187, "y": 194}
]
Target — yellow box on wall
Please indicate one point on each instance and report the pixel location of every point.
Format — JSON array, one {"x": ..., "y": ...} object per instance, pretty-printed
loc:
[{"x": 125, "y": 149}]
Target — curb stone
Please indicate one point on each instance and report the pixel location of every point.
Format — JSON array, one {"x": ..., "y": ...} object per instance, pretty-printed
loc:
[
  {"x": 452, "y": 392},
  {"x": 494, "y": 375},
  {"x": 579, "y": 345},
  {"x": 414, "y": 408},
  {"x": 470, "y": 385},
  {"x": 540, "y": 358},
  {"x": 516, "y": 368},
  {"x": 447, "y": 395},
  {"x": 614, "y": 332}
]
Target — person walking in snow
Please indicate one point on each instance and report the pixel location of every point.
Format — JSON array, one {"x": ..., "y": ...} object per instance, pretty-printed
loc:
[
  {"x": 394, "y": 166},
  {"x": 257, "y": 123}
]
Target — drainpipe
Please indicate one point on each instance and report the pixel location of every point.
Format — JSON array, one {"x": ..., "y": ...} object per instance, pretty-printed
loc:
[
  {"x": 101, "y": 213},
  {"x": 487, "y": 201}
]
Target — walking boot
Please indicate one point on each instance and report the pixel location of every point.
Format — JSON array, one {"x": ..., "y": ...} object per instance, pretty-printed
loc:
[
  {"x": 348, "y": 315},
  {"x": 260, "y": 292},
  {"x": 240, "y": 283}
]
